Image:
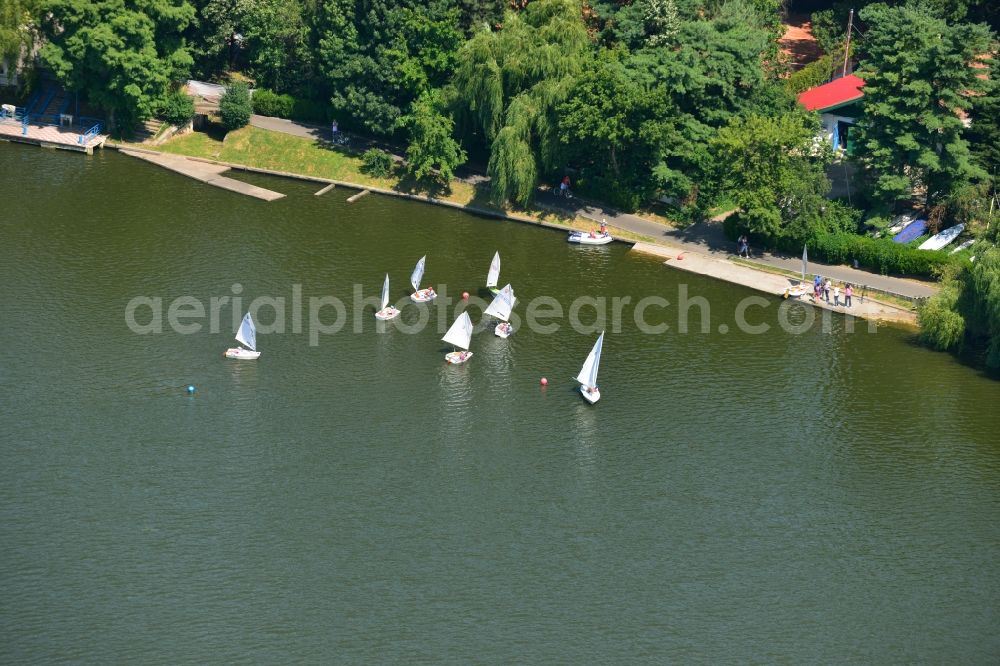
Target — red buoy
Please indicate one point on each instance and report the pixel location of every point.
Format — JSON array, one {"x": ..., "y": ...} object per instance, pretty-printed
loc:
[
  {"x": 465, "y": 295},
  {"x": 543, "y": 381}
]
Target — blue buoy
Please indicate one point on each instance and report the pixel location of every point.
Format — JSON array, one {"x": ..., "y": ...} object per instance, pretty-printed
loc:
[{"x": 190, "y": 388}]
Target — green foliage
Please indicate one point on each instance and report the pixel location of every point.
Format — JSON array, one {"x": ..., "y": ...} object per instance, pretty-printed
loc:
[
  {"x": 123, "y": 54},
  {"x": 980, "y": 299},
  {"x": 941, "y": 324},
  {"x": 15, "y": 37},
  {"x": 984, "y": 133},
  {"x": 509, "y": 84},
  {"x": 376, "y": 162},
  {"x": 814, "y": 74},
  {"x": 177, "y": 108},
  {"x": 432, "y": 151},
  {"x": 267, "y": 103},
  {"x": 917, "y": 77},
  {"x": 377, "y": 57},
  {"x": 235, "y": 107},
  {"x": 715, "y": 72},
  {"x": 615, "y": 130},
  {"x": 774, "y": 172}
]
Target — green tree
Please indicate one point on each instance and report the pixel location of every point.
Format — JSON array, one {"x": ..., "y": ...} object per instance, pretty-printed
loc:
[
  {"x": 379, "y": 56},
  {"x": 917, "y": 79},
  {"x": 510, "y": 83},
  {"x": 714, "y": 71},
  {"x": 123, "y": 54},
  {"x": 983, "y": 133},
  {"x": 432, "y": 151},
  {"x": 276, "y": 45},
  {"x": 235, "y": 107},
  {"x": 616, "y": 130},
  {"x": 16, "y": 34},
  {"x": 774, "y": 171}
]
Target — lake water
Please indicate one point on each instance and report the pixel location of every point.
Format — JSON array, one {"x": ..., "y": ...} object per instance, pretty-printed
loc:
[{"x": 826, "y": 497}]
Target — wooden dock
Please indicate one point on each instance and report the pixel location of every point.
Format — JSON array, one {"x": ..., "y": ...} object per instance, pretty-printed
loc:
[
  {"x": 49, "y": 136},
  {"x": 205, "y": 172}
]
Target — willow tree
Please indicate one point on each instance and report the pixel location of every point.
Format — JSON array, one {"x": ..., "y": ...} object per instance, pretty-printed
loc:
[{"x": 510, "y": 82}]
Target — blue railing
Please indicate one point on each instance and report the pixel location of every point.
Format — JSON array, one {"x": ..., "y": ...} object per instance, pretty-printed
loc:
[{"x": 92, "y": 132}]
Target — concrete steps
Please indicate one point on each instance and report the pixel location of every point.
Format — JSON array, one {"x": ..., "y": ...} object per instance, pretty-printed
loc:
[{"x": 147, "y": 131}]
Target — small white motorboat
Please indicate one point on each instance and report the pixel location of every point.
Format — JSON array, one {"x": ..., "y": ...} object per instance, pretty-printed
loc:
[
  {"x": 387, "y": 311},
  {"x": 500, "y": 308},
  {"x": 588, "y": 373},
  {"x": 246, "y": 335},
  {"x": 420, "y": 295},
  {"x": 590, "y": 238},
  {"x": 459, "y": 335}
]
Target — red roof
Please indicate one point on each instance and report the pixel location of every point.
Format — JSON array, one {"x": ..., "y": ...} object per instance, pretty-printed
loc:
[{"x": 833, "y": 94}]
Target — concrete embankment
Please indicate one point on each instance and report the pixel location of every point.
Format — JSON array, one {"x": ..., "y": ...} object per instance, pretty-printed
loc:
[
  {"x": 205, "y": 172},
  {"x": 771, "y": 283}
]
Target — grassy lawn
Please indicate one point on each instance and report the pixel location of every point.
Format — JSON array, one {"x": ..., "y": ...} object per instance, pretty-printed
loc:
[{"x": 265, "y": 149}]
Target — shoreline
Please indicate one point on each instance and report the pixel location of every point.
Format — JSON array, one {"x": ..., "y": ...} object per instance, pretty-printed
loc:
[{"x": 675, "y": 257}]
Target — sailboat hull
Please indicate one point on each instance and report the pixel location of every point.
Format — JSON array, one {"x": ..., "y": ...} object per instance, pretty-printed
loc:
[
  {"x": 457, "y": 357},
  {"x": 590, "y": 396},
  {"x": 242, "y": 354},
  {"x": 423, "y": 296},
  {"x": 387, "y": 313}
]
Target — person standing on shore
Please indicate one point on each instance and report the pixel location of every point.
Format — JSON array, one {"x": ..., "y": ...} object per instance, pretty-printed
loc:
[
  {"x": 848, "y": 292},
  {"x": 826, "y": 290},
  {"x": 744, "y": 246},
  {"x": 836, "y": 295}
]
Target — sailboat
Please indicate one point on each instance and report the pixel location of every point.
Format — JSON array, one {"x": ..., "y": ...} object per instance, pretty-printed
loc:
[
  {"x": 459, "y": 335},
  {"x": 420, "y": 295},
  {"x": 500, "y": 308},
  {"x": 493, "y": 275},
  {"x": 388, "y": 311},
  {"x": 246, "y": 335},
  {"x": 588, "y": 373}
]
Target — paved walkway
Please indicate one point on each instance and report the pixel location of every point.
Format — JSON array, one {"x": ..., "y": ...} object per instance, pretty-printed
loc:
[
  {"x": 203, "y": 171},
  {"x": 770, "y": 283},
  {"x": 704, "y": 237},
  {"x": 708, "y": 238}
]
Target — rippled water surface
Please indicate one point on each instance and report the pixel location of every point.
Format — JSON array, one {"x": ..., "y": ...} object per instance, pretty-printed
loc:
[{"x": 825, "y": 497}]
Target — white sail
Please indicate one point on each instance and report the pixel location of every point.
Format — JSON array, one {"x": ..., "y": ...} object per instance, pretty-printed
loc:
[
  {"x": 494, "y": 274},
  {"x": 805, "y": 261},
  {"x": 385, "y": 292},
  {"x": 460, "y": 333},
  {"x": 418, "y": 273},
  {"x": 247, "y": 334},
  {"x": 588, "y": 373},
  {"x": 502, "y": 304}
]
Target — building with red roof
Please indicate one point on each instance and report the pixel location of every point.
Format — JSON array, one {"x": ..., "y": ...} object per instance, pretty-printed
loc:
[{"x": 842, "y": 96}]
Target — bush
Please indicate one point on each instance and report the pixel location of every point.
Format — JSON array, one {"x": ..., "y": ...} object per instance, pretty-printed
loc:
[
  {"x": 235, "y": 107},
  {"x": 376, "y": 162},
  {"x": 177, "y": 109},
  {"x": 267, "y": 103},
  {"x": 814, "y": 74},
  {"x": 879, "y": 254},
  {"x": 310, "y": 110}
]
